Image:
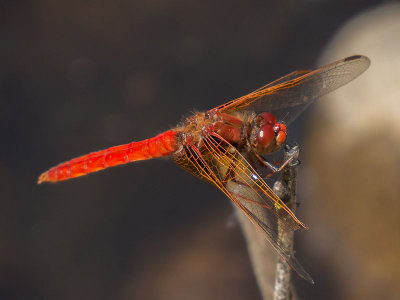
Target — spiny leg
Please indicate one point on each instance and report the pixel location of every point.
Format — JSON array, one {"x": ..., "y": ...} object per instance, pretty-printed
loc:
[{"x": 292, "y": 160}]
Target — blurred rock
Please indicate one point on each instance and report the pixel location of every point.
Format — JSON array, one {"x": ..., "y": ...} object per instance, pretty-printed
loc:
[{"x": 352, "y": 164}]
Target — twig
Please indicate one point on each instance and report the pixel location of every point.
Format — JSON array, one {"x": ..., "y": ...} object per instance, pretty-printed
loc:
[
  {"x": 286, "y": 190},
  {"x": 263, "y": 258}
]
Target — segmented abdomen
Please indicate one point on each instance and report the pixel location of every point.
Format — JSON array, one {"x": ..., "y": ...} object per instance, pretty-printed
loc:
[{"x": 163, "y": 144}]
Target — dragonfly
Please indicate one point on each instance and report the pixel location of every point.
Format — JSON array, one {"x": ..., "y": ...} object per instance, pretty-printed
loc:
[{"x": 229, "y": 143}]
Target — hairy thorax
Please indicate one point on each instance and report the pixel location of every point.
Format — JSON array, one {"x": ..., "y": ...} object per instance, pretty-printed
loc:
[{"x": 234, "y": 128}]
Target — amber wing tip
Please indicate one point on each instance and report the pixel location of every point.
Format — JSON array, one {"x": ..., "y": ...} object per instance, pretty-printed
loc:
[
  {"x": 43, "y": 178},
  {"x": 353, "y": 57}
]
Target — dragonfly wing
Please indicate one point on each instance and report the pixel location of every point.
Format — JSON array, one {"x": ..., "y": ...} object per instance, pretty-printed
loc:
[
  {"x": 288, "y": 98},
  {"x": 283, "y": 79},
  {"x": 194, "y": 161},
  {"x": 248, "y": 208},
  {"x": 219, "y": 163}
]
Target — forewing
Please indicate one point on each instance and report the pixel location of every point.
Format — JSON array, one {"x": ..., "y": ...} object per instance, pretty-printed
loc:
[
  {"x": 288, "y": 96},
  {"x": 222, "y": 165}
]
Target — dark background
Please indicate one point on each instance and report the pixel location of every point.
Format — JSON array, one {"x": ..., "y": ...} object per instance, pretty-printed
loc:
[{"x": 79, "y": 76}]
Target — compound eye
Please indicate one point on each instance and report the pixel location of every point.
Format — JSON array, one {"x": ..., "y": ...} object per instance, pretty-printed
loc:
[
  {"x": 266, "y": 135},
  {"x": 280, "y": 131},
  {"x": 268, "y": 118}
]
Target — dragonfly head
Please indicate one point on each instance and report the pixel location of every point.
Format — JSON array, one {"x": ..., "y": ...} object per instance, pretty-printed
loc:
[{"x": 267, "y": 134}]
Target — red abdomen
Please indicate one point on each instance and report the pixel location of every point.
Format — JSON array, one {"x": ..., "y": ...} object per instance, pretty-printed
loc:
[{"x": 163, "y": 144}]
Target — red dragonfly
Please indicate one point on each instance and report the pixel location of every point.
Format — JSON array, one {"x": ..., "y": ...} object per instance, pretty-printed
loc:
[{"x": 227, "y": 144}]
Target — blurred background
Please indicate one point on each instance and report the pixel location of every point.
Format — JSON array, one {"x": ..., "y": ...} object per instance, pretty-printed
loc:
[{"x": 80, "y": 76}]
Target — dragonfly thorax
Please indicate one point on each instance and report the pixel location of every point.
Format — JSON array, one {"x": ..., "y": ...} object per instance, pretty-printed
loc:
[{"x": 194, "y": 127}]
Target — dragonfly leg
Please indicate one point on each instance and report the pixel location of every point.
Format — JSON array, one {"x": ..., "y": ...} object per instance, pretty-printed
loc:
[{"x": 291, "y": 161}]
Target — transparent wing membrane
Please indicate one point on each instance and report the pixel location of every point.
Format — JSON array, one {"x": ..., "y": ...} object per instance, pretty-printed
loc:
[
  {"x": 291, "y": 94},
  {"x": 221, "y": 164}
]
